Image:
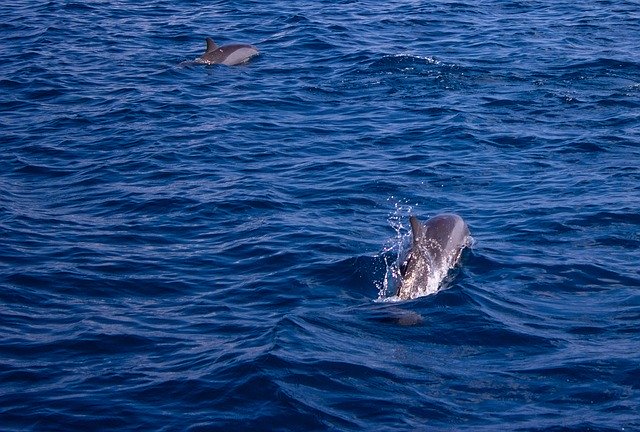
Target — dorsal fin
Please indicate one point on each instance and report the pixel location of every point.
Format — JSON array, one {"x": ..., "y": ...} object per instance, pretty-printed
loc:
[
  {"x": 416, "y": 229},
  {"x": 211, "y": 45}
]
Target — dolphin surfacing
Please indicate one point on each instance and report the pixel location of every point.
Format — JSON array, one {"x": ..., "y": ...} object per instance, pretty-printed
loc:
[
  {"x": 436, "y": 247},
  {"x": 230, "y": 55}
]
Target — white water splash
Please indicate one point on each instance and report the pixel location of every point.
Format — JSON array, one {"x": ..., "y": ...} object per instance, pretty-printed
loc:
[{"x": 395, "y": 251}]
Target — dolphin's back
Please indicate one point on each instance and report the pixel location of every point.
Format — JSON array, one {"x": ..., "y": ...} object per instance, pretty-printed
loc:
[
  {"x": 237, "y": 53},
  {"x": 441, "y": 235},
  {"x": 230, "y": 55},
  {"x": 435, "y": 248}
]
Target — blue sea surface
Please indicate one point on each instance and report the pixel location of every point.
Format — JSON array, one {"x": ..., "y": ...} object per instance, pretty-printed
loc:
[{"x": 187, "y": 247}]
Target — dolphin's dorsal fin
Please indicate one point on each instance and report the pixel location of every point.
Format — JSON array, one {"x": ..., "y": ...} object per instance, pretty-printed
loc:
[
  {"x": 211, "y": 45},
  {"x": 416, "y": 230}
]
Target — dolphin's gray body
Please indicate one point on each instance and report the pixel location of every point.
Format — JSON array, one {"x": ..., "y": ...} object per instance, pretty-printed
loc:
[
  {"x": 229, "y": 55},
  {"x": 435, "y": 248}
]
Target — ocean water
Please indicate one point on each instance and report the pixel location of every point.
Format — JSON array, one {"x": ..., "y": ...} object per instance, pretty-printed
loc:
[{"x": 189, "y": 248}]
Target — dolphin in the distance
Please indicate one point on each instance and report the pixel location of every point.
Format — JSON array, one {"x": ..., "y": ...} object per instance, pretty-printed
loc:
[
  {"x": 436, "y": 247},
  {"x": 230, "y": 55}
]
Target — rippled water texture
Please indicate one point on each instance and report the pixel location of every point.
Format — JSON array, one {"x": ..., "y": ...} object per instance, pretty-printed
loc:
[{"x": 191, "y": 247}]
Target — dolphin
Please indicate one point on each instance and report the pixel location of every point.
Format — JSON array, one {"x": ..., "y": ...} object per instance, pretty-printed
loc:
[
  {"x": 230, "y": 55},
  {"x": 435, "y": 249}
]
